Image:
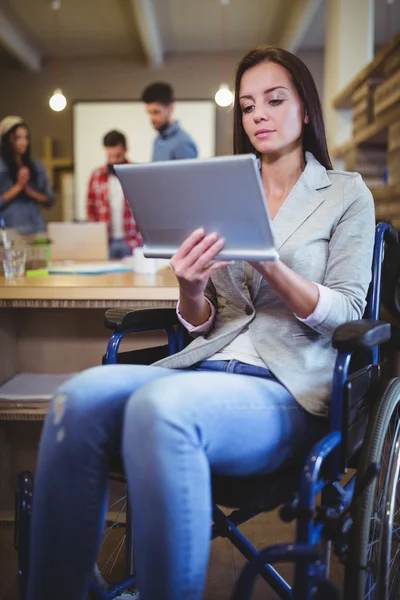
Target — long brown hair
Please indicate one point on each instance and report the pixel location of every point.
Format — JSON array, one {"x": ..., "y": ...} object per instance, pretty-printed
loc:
[
  {"x": 7, "y": 153},
  {"x": 314, "y": 137}
]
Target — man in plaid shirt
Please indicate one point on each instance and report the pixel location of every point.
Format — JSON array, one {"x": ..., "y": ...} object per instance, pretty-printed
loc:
[{"x": 106, "y": 201}]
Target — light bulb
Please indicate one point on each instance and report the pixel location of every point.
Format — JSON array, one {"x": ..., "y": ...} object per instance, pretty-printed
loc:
[
  {"x": 58, "y": 101},
  {"x": 224, "y": 96}
]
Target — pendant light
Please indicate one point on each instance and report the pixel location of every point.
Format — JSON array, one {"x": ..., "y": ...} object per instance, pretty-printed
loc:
[
  {"x": 224, "y": 96},
  {"x": 57, "y": 101}
]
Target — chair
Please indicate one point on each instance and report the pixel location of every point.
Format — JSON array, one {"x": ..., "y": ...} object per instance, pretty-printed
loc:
[{"x": 364, "y": 434}]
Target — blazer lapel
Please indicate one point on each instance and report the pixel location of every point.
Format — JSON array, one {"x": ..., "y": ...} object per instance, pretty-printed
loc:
[
  {"x": 298, "y": 206},
  {"x": 302, "y": 201}
]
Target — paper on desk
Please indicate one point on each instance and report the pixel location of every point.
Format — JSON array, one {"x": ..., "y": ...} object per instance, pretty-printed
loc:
[
  {"x": 89, "y": 268},
  {"x": 32, "y": 386}
]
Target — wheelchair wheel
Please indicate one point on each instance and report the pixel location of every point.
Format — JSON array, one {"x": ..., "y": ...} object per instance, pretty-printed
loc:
[
  {"x": 110, "y": 565},
  {"x": 373, "y": 560},
  {"x": 115, "y": 560}
]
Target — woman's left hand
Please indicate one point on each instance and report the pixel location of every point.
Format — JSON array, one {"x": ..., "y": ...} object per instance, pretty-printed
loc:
[
  {"x": 299, "y": 294},
  {"x": 264, "y": 267}
]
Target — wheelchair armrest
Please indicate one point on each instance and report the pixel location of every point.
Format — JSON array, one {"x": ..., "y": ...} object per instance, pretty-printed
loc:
[
  {"x": 363, "y": 334},
  {"x": 120, "y": 319}
]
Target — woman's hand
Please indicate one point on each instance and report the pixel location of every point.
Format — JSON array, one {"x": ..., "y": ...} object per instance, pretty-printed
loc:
[
  {"x": 23, "y": 177},
  {"x": 192, "y": 267},
  {"x": 263, "y": 267},
  {"x": 191, "y": 263},
  {"x": 38, "y": 196},
  {"x": 299, "y": 294}
]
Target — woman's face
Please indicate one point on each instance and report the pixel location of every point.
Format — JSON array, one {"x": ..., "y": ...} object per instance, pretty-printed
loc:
[
  {"x": 272, "y": 112},
  {"x": 20, "y": 140}
]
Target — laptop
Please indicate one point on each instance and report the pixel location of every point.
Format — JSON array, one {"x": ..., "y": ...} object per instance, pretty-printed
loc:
[
  {"x": 78, "y": 241},
  {"x": 169, "y": 200}
]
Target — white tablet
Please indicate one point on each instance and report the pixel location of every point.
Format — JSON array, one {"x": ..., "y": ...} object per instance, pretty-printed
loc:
[{"x": 169, "y": 200}]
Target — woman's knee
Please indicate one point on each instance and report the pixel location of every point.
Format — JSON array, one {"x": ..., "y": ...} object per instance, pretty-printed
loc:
[
  {"x": 160, "y": 402},
  {"x": 80, "y": 392},
  {"x": 90, "y": 392},
  {"x": 101, "y": 392}
]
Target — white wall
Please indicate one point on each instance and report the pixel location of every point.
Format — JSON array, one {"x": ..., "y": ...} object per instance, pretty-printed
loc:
[{"x": 92, "y": 120}]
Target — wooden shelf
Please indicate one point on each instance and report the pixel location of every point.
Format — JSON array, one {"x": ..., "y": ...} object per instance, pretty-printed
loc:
[
  {"x": 369, "y": 133},
  {"x": 52, "y": 162},
  {"x": 6, "y": 517},
  {"x": 386, "y": 193},
  {"x": 387, "y": 202},
  {"x": 374, "y": 68},
  {"x": 389, "y": 213},
  {"x": 64, "y": 163}
]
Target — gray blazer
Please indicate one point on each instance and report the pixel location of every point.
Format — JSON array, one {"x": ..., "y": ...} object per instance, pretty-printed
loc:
[{"x": 325, "y": 232}]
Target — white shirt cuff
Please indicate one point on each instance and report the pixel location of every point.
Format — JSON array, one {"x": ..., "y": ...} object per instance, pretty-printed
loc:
[
  {"x": 197, "y": 328},
  {"x": 322, "y": 309}
]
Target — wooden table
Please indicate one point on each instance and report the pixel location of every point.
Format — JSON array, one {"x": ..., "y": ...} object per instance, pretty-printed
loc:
[
  {"x": 90, "y": 291},
  {"x": 54, "y": 324}
]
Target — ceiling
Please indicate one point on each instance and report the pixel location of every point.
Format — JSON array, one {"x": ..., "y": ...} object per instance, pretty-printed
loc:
[
  {"x": 147, "y": 31},
  {"x": 109, "y": 28},
  {"x": 197, "y": 26},
  {"x": 386, "y": 24}
]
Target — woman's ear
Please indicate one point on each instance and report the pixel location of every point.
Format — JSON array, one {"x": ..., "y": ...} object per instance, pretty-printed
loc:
[{"x": 306, "y": 119}]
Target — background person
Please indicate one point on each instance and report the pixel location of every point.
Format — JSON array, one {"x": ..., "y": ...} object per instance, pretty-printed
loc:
[
  {"x": 24, "y": 185},
  {"x": 106, "y": 201},
  {"x": 172, "y": 142}
]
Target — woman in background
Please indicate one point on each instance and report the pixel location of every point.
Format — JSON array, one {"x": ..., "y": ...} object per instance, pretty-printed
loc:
[{"x": 24, "y": 185}]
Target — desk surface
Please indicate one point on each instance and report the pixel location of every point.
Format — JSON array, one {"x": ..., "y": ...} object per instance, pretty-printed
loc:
[{"x": 90, "y": 291}]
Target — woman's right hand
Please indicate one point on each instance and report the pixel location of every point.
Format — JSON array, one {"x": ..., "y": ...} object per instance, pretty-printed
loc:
[
  {"x": 23, "y": 177},
  {"x": 191, "y": 263}
]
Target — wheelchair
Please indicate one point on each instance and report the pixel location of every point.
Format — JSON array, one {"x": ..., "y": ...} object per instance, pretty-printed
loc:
[{"x": 359, "y": 520}]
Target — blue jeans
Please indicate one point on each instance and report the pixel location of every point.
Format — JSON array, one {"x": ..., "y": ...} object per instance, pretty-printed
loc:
[
  {"x": 172, "y": 427},
  {"x": 119, "y": 249}
]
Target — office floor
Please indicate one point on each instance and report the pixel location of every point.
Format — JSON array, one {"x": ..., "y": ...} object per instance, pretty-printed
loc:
[{"x": 225, "y": 563}]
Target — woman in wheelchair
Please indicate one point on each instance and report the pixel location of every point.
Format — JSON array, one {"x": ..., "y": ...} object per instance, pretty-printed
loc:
[{"x": 249, "y": 395}]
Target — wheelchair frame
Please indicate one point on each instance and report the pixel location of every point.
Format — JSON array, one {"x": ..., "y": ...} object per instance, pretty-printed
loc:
[{"x": 316, "y": 526}]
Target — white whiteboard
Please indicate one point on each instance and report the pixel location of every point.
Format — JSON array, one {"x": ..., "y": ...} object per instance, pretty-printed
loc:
[{"x": 92, "y": 120}]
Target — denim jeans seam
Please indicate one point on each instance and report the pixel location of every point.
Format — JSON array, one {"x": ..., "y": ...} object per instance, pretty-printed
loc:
[{"x": 188, "y": 519}]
